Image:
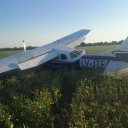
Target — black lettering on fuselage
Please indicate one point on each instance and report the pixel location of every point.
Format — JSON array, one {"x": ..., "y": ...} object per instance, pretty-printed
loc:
[
  {"x": 85, "y": 62},
  {"x": 103, "y": 64},
  {"x": 96, "y": 63}
]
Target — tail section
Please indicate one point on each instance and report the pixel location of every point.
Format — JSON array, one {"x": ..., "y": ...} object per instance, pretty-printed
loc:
[
  {"x": 122, "y": 50},
  {"x": 123, "y": 47}
]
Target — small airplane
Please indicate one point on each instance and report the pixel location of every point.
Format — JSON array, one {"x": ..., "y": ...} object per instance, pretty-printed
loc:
[{"x": 61, "y": 53}]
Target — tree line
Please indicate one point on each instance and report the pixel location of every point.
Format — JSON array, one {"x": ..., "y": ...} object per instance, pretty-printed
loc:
[
  {"x": 17, "y": 48},
  {"x": 81, "y": 45},
  {"x": 101, "y": 43}
]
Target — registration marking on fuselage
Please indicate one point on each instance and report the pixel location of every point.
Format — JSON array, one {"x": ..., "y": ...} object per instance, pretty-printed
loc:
[{"x": 93, "y": 63}]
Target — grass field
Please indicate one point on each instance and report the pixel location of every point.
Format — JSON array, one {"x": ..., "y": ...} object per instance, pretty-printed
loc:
[
  {"x": 97, "y": 49},
  {"x": 63, "y": 99},
  {"x": 8, "y": 53}
]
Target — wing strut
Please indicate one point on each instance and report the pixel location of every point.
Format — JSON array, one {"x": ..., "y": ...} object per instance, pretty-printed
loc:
[{"x": 24, "y": 46}]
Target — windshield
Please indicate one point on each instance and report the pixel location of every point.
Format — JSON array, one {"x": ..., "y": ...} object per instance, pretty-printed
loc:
[
  {"x": 76, "y": 52},
  {"x": 73, "y": 55}
]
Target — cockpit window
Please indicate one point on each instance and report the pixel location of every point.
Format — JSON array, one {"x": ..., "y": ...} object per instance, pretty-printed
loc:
[
  {"x": 73, "y": 55},
  {"x": 76, "y": 52},
  {"x": 63, "y": 57}
]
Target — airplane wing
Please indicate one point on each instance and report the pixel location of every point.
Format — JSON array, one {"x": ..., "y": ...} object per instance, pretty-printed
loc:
[
  {"x": 38, "y": 56},
  {"x": 71, "y": 40},
  {"x": 26, "y": 60}
]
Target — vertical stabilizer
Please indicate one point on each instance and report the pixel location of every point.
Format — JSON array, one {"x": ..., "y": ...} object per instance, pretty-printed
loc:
[
  {"x": 122, "y": 50},
  {"x": 123, "y": 46}
]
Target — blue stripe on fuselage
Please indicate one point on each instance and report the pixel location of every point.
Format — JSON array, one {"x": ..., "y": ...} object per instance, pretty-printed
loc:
[{"x": 100, "y": 57}]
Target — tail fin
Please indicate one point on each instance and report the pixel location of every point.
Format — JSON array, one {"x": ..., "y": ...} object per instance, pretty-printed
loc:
[
  {"x": 124, "y": 45},
  {"x": 122, "y": 50},
  {"x": 24, "y": 46}
]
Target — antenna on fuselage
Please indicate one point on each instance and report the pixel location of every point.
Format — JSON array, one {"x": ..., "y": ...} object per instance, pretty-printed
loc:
[{"x": 24, "y": 46}]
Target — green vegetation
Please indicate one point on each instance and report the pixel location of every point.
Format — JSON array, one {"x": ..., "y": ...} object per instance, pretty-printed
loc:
[
  {"x": 62, "y": 99},
  {"x": 101, "y": 43},
  {"x": 8, "y": 53}
]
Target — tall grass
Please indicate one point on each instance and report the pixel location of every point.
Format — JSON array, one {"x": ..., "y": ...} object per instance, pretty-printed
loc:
[{"x": 63, "y": 98}]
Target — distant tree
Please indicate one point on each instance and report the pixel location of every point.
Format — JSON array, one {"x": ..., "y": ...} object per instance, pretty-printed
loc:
[
  {"x": 82, "y": 44},
  {"x": 30, "y": 47},
  {"x": 121, "y": 41}
]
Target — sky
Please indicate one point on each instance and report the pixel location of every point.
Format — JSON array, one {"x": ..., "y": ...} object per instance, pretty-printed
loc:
[{"x": 39, "y": 22}]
